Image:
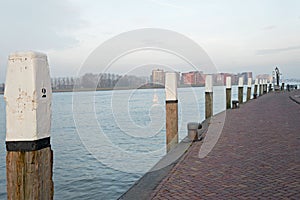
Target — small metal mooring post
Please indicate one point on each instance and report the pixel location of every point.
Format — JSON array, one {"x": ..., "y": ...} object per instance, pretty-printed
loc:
[
  {"x": 282, "y": 86},
  {"x": 241, "y": 90},
  {"x": 29, "y": 157},
  {"x": 228, "y": 92},
  {"x": 194, "y": 131},
  {"x": 235, "y": 104},
  {"x": 171, "y": 110},
  {"x": 270, "y": 87},
  {"x": 208, "y": 97}
]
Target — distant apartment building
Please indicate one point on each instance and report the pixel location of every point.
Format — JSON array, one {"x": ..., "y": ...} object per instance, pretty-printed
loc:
[
  {"x": 234, "y": 79},
  {"x": 158, "y": 77},
  {"x": 220, "y": 78},
  {"x": 245, "y": 75},
  {"x": 195, "y": 78}
]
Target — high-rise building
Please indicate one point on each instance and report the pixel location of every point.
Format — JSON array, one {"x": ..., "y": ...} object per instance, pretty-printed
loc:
[{"x": 158, "y": 77}]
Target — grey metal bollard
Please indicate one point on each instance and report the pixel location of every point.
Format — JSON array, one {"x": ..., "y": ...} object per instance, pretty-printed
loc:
[{"x": 193, "y": 130}]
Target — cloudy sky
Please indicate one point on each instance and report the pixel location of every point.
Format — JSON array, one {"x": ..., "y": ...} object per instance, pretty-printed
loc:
[{"x": 249, "y": 35}]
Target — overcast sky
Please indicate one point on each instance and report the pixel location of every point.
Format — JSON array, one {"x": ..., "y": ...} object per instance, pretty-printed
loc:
[{"x": 253, "y": 35}]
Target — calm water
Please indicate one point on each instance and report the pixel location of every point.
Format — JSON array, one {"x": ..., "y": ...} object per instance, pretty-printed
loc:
[{"x": 84, "y": 165}]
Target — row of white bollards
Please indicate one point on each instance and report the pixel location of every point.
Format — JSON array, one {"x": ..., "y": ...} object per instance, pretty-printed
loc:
[{"x": 28, "y": 94}]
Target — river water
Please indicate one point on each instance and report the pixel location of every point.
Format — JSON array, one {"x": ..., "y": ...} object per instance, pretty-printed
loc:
[{"x": 85, "y": 167}]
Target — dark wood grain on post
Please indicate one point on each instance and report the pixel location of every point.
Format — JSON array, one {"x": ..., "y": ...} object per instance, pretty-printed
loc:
[
  {"x": 208, "y": 104},
  {"x": 29, "y": 174},
  {"x": 260, "y": 89},
  {"x": 171, "y": 124},
  {"x": 228, "y": 98},
  {"x": 241, "y": 94},
  {"x": 248, "y": 93},
  {"x": 228, "y": 92}
]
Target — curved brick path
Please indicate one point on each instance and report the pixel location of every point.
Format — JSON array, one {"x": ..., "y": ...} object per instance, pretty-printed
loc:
[{"x": 257, "y": 156}]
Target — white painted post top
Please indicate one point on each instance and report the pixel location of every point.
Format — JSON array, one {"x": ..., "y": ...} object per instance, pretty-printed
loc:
[
  {"x": 241, "y": 82},
  {"x": 228, "y": 82},
  {"x": 260, "y": 81},
  {"x": 208, "y": 83},
  {"x": 28, "y": 97},
  {"x": 249, "y": 82},
  {"x": 256, "y": 81},
  {"x": 171, "y": 86}
]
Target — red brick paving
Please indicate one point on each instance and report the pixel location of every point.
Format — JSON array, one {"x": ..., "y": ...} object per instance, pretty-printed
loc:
[{"x": 256, "y": 157}]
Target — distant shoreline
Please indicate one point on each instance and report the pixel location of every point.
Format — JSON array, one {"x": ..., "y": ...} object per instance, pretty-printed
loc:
[
  {"x": 109, "y": 89},
  {"x": 106, "y": 89}
]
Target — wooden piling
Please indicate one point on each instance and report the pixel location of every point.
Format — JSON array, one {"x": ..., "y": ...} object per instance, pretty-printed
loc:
[
  {"x": 241, "y": 90},
  {"x": 208, "y": 97},
  {"x": 260, "y": 88},
  {"x": 255, "y": 89},
  {"x": 28, "y": 174},
  {"x": 171, "y": 110},
  {"x": 228, "y": 92},
  {"x": 249, "y": 89},
  {"x": 29, "y": 158},
  {"x": 265, "y": 91}
]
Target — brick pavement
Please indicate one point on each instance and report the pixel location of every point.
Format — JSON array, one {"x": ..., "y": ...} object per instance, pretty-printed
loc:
[{"x": 256, "y": 157}]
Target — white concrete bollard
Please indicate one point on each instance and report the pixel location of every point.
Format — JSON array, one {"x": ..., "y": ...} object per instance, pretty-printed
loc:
[{"x": 28, "y": 97}]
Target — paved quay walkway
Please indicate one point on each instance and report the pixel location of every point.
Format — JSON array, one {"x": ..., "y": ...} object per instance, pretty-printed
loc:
[{"x": 256, "y": 157}]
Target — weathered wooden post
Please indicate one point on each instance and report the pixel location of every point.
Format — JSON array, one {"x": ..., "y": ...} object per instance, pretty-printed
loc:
[
  {"x": 241, "y": 90},
  {"x": 208, "y": 97},
  {"x": 255, "y": 89},
  {"x": 249, "y": 89},
  {"x": 29, "y": 157},
  {"x": 171, "y": 110},
  {"x": 265, "y": 87},
  {"x": 260, "y": 87},
  {"x": 228, "y": 92}
]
